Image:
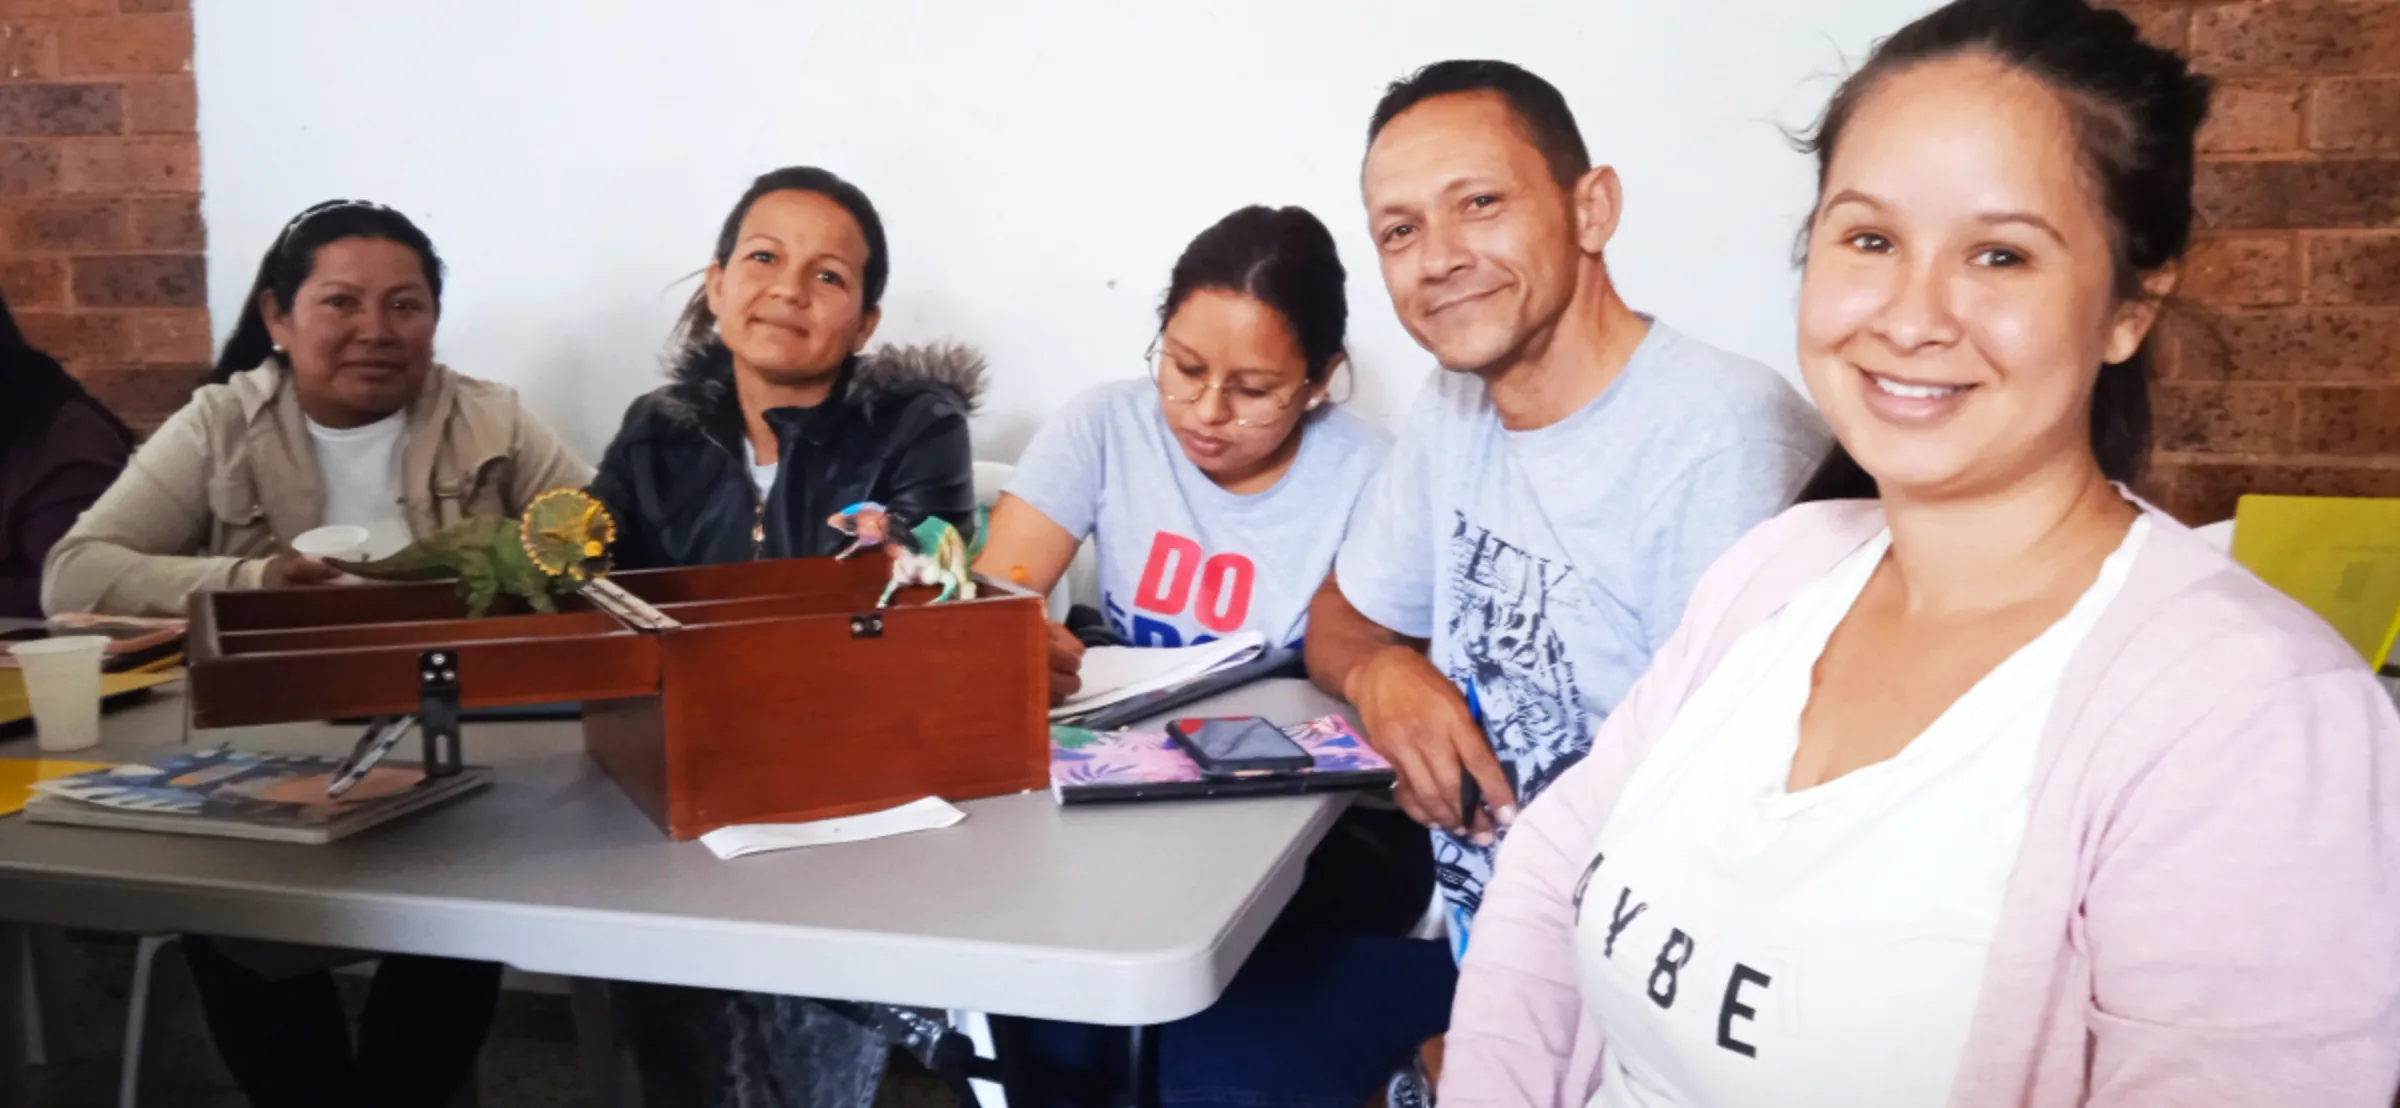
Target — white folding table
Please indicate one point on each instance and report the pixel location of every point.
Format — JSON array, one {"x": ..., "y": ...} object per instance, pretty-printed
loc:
[{"x": 1130, "y": 916}]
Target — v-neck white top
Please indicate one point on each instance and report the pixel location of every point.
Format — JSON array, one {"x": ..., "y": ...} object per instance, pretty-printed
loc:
[{"x": 1743, "y": 946}]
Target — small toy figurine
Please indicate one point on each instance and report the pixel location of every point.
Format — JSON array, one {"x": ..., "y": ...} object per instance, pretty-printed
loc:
[
  {"x": 939, "y": 558},
  {"x": 560, "y": 544},
  {"x": 866, "y": 522},
  {"x": 931, "y": 553}
]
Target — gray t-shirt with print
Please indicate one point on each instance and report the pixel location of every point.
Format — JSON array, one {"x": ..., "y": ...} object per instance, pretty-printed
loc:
[
  {"x": 1181, "y": 560},
  {"x": 1546, "y": 566}
]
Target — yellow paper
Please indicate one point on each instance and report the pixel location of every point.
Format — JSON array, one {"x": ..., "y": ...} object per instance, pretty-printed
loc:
[
  {"x": 14, "y": 706},
  {"x": 17, "y": 776},
  {"x": 2340, "y": 556}
]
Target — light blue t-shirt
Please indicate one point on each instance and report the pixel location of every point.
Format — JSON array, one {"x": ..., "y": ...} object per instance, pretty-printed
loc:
[
  {"x": 1181, "y": 560},
  {"x": 1546, "y": 566}
]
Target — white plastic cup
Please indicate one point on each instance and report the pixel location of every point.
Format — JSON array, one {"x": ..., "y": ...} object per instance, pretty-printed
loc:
[
  {"x": 62, "y": 679},
  {"x": 346, "y": 541}
]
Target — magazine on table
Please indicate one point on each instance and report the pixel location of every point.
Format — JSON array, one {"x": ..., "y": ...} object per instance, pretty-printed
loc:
[{"x": 243, "y": 795}]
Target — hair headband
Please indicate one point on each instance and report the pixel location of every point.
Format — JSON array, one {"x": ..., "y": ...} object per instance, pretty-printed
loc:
[{"x": 315, "y": 210}]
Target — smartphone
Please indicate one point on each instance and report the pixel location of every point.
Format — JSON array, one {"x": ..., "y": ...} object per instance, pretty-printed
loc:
[{"x": 1240, "y": 746}]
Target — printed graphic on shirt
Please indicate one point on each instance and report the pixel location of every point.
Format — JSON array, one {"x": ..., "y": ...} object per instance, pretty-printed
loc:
[
  {"x": 1719, "y": 1000},
  {"x": 1506, "y": 604},
  {"x": 1186, "y": 595}
]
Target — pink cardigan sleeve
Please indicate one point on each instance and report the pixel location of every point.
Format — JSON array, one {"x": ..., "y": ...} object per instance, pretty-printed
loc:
[{"x": 2242, "y": 919}]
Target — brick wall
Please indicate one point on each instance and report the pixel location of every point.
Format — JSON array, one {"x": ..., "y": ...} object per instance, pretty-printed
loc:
[
  {"x": 2285, "y": 378},
  {"x": 100, "y": 233}
]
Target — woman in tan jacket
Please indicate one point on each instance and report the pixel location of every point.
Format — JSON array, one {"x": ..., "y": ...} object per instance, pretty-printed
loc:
[{"x": 325, "y": 407}]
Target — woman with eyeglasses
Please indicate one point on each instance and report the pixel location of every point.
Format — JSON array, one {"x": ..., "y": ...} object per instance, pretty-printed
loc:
[{"x": 1216, "y": 490}]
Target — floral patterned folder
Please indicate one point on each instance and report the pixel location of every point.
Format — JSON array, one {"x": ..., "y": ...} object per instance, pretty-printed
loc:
[{"x": 1091, "y": 766}]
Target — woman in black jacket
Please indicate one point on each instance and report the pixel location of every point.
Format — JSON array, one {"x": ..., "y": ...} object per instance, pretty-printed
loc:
[
  {"x": 775, "y": 420},
  {"x": 773, "y": 423},
  {"x": 59, "y": 450}
]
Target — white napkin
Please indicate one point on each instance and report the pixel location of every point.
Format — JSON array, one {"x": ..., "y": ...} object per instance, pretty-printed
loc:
[{"x": 929, "y": 814}]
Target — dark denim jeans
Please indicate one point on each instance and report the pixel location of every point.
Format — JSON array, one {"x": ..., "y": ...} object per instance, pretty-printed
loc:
[
  {"x": 1307, "y": 1023},
  {"x": 1333, "y": 1001},
  {"x": 710, "y": 1048},
  {"x": 287, "y": 1040}
]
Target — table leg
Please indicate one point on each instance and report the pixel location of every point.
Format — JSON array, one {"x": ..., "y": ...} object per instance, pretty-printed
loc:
[
  {"x": 1142, "y": 1066},
  {"x": 604, "y": 1063},
  {"x": 999, "y": 1079},
  {"x": 160, "y": 979},
  {"x": 16, "y": 1000}
]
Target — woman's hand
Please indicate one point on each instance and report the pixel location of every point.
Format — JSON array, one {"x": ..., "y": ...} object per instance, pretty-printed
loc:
[
  {"x": 1066, "y": 664},
  {"x": 288, "y": 568}
]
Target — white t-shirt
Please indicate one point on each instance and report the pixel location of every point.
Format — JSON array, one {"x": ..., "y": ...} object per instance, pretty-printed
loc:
[
  {"x": 361, "y": 469},
  {"x": 761, "y": 475},
  {"x": 1182, "y": 560},
  {"x": 1743, "y": 946}
]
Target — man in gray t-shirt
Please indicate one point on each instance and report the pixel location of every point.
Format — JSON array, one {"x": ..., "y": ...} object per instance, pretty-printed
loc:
[
  {"x": 1545, "y": 566},
  {"x": 1562, "y": 482}
]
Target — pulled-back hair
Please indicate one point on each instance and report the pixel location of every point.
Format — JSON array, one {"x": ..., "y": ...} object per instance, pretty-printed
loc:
[
  {"x": 2136, "y": 110},
  {"x": 695, "y": 349},
  {"x": 1281, "y": 257},
  {"x": 293, "y": 256}
]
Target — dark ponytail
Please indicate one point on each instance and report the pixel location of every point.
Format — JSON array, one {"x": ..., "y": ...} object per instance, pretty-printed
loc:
[
  {"x": 293, "y": 256},
  {"x": 1281, "y": 257},
  {"x": 695, "y": 355},
  {"x": 2136, "y": 109}
]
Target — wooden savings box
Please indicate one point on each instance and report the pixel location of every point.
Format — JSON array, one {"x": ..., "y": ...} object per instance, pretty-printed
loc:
[{"x": 785, "y": 695}]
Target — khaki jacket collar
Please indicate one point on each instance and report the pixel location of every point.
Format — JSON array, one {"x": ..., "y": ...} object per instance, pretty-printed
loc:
[{"x": 283, "y": 457}]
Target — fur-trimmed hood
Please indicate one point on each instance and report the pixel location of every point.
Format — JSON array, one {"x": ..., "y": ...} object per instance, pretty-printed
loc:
[
  {"x": 702, "y": 392},
  {"x": 891, "y": 371}
]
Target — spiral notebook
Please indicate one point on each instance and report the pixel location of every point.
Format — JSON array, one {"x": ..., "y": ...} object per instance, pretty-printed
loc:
[
  {"x": 1114, "y": 675},
  {"x": 1098, "y": 766}
]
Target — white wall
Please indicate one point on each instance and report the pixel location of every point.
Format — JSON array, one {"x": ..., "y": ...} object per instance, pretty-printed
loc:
[{"x": 1038, "y": 164}]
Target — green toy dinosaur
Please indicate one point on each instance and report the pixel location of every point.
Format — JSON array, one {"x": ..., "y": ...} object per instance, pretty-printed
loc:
[{"x": 559, "y": 544}]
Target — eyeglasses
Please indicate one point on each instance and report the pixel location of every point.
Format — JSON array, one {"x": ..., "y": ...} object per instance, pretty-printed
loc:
[{"x": 1250, "y": 406}]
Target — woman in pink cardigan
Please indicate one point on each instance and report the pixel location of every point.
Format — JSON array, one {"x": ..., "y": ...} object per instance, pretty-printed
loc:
[{"x": 1992, "y": 786}]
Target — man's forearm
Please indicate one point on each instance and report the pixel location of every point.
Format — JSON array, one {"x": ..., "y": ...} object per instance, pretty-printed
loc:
[{"x": 1340, "y": 639}]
